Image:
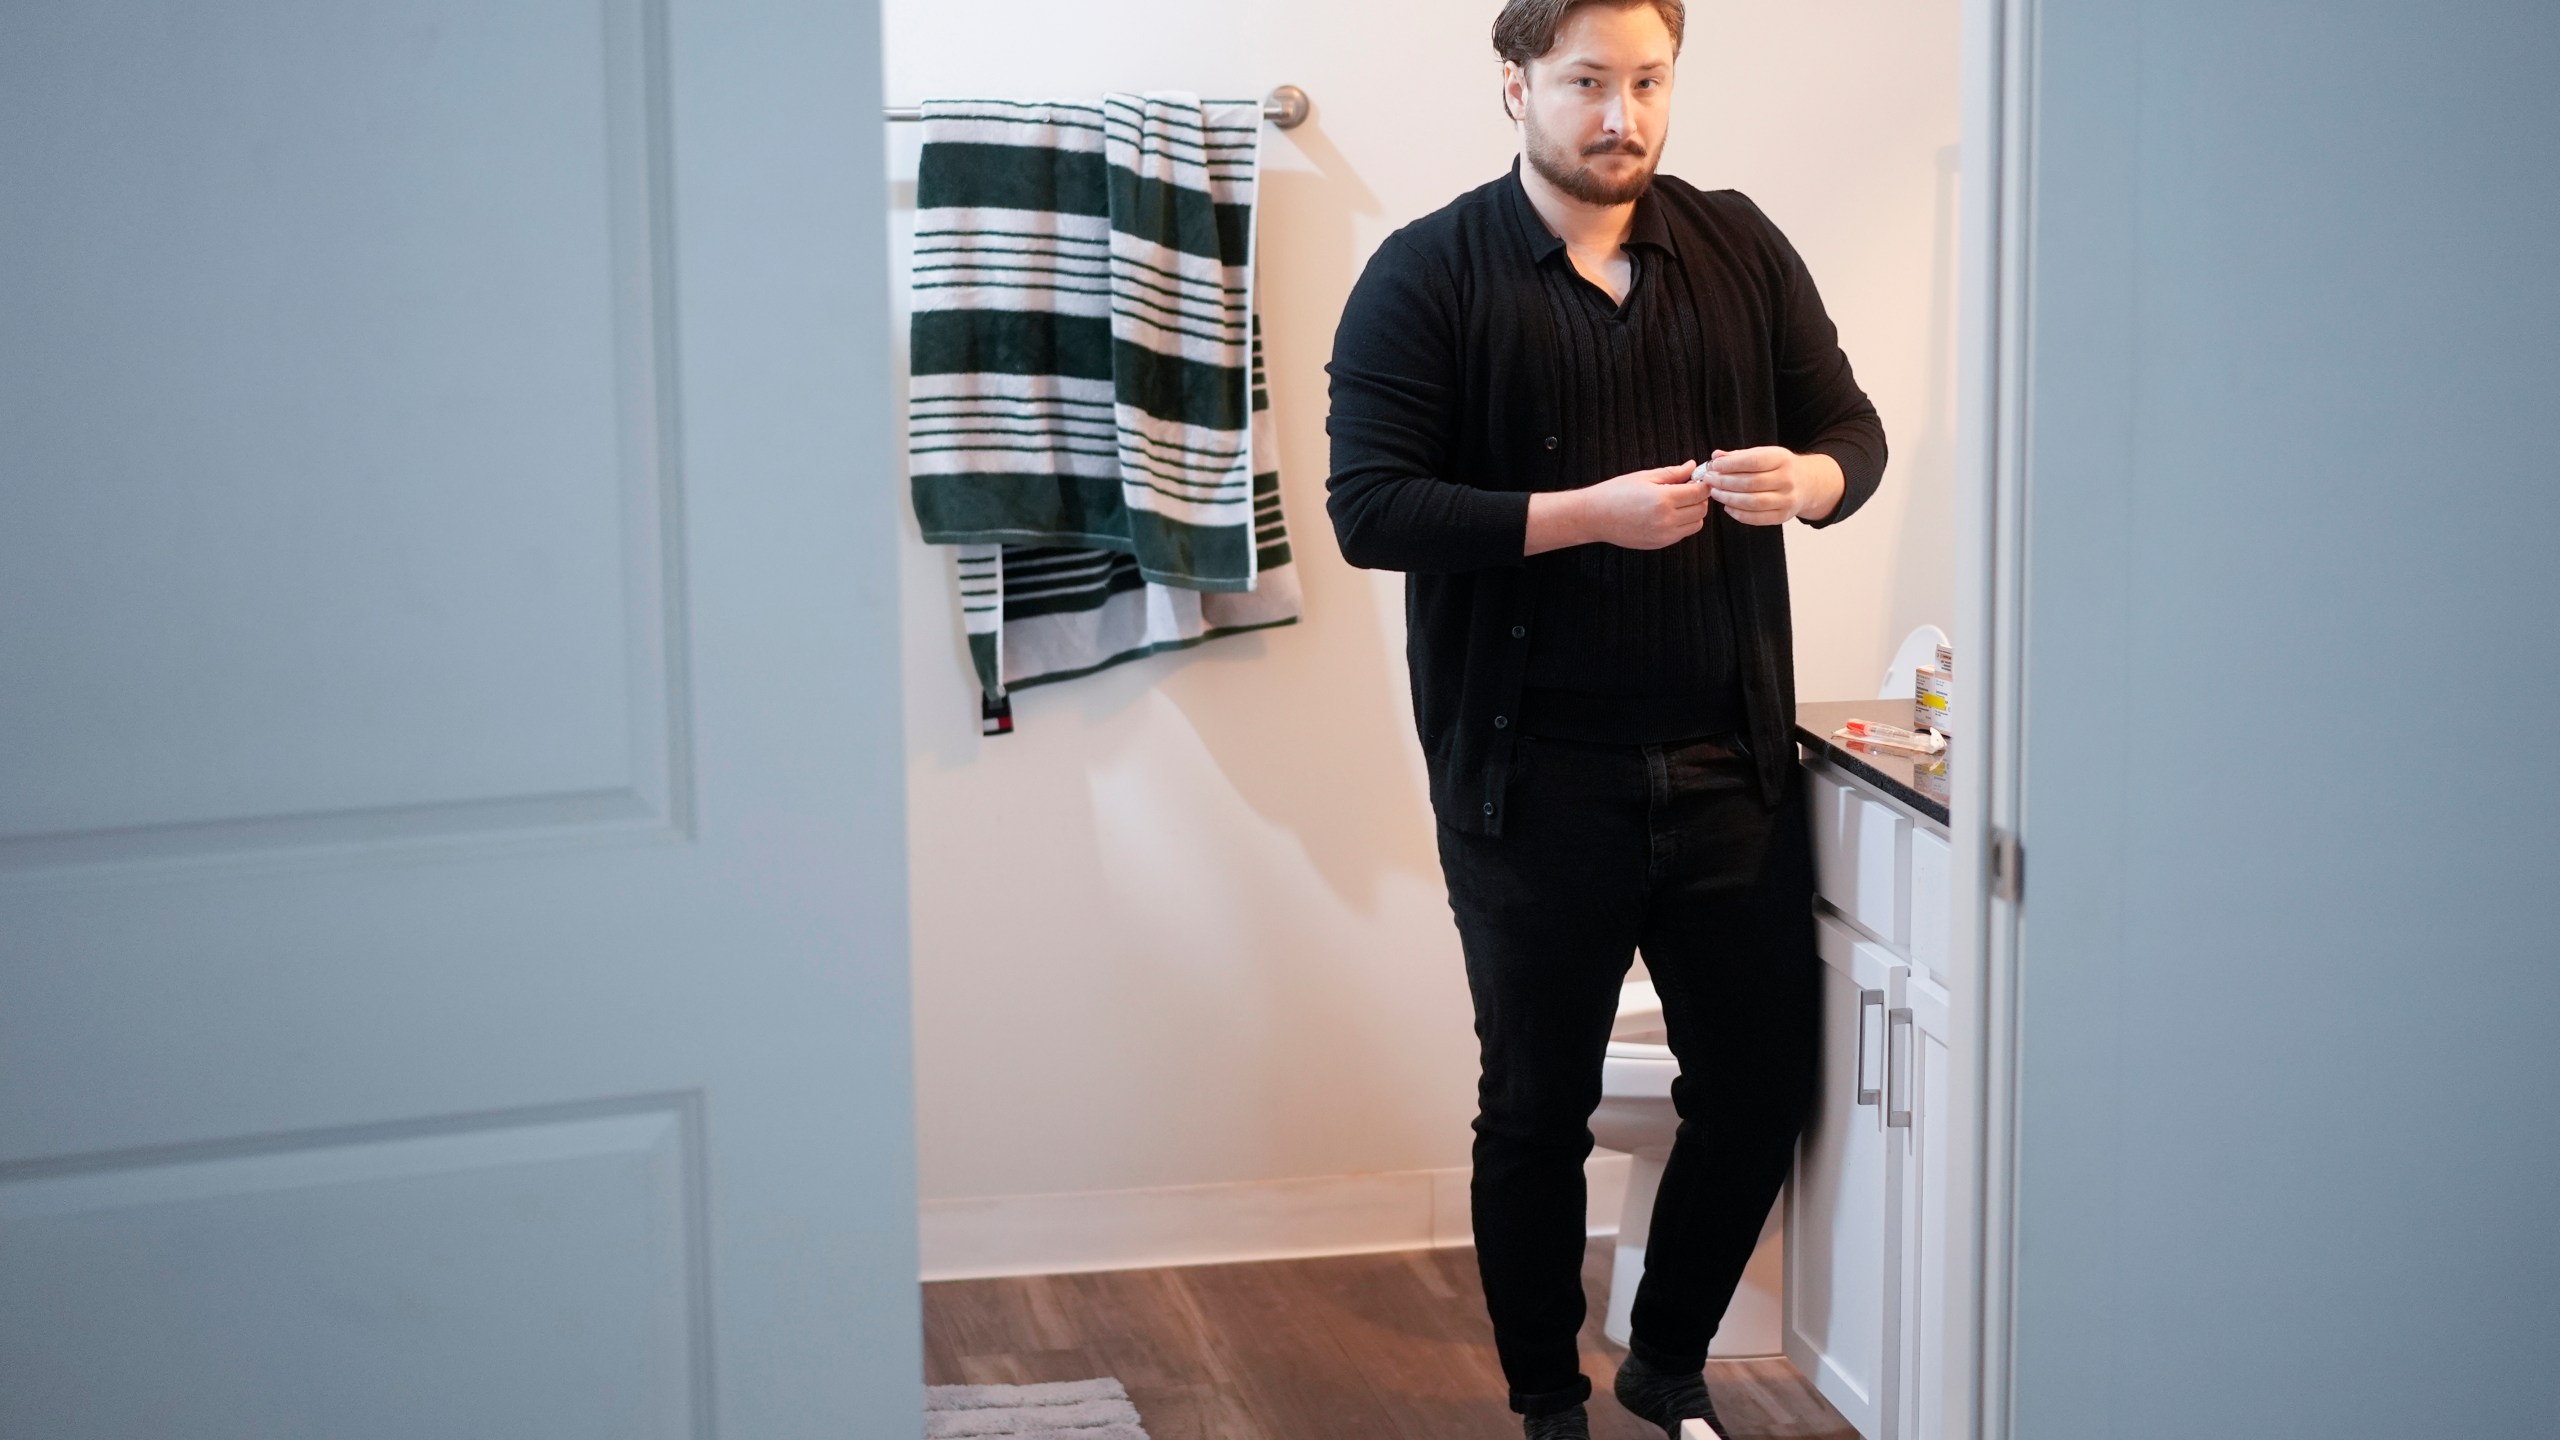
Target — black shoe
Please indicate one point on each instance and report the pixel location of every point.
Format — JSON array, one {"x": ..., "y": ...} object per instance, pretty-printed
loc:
[
  {"x": 1573, "y": 1424},
  {"x": 1665, "y": 1399}
]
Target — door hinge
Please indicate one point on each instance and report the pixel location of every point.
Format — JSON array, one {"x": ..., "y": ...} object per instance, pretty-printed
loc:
[{"x": 2008, "y": 866}]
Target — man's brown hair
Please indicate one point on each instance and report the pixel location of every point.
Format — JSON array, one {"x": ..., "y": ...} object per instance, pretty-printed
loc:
[{"x": 1526, "y": 29}]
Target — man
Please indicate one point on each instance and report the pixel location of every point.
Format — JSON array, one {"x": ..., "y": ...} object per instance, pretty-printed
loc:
[{"x": 1523, "y": 383}]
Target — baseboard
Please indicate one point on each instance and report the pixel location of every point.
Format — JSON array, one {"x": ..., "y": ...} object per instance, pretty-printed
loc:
[{"x": 1057, "y": 1234}]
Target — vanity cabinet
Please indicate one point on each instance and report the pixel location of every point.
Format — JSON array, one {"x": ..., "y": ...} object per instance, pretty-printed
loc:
[{"x": 1869, "y": 1206}]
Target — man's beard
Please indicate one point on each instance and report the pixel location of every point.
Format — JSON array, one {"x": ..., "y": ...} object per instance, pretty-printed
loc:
[{"x": 1565, "y": 170}]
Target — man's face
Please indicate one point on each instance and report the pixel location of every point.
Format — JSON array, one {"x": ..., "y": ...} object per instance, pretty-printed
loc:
[{"x": 1595, "y": 109}]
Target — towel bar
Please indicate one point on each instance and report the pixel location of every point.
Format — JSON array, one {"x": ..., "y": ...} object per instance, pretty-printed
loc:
[{"x": 1286, "y": 107}]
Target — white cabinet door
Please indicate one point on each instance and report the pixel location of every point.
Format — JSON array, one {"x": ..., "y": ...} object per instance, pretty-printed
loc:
[
  {"x": 452, "y": 905},
  {"x": 1839, "y": 1221},
  {"x": 1918, "y": 1092}
]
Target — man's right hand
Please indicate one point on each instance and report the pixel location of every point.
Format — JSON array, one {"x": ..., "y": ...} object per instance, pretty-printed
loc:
[{"x": 1642, "y": 510}]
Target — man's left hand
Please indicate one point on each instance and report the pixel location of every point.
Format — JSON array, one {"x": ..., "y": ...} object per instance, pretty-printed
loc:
[{"x": 1771, "y": 485}]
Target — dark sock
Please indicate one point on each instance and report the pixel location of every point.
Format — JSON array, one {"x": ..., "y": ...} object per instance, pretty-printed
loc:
[
  {"x": 1573, "y": 1424},
  {"x": 1665, "y": 1398}
]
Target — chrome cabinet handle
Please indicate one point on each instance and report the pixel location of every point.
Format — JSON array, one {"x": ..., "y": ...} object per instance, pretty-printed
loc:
[
  {"x": 1897, "y": 1064},
  {"x": 1870, "y": 1091}
]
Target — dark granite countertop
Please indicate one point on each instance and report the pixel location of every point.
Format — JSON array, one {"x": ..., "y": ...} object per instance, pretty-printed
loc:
[{"x": 1919, "y": 781}]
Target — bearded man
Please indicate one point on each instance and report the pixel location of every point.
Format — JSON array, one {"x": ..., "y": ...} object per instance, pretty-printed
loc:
[{"x": 1524, "y": 384}]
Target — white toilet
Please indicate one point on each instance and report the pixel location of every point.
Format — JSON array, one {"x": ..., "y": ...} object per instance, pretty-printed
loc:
[{"x": 1635, "y": 1116}]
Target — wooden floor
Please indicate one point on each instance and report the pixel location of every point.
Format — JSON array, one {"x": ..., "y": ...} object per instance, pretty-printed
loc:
[{"x": 1329, "y": 1349}]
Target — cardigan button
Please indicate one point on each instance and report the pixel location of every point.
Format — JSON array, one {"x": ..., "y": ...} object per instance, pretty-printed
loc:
[
  {"x": 1500, "y": 721},
  {"x": 1519, "y": 632},
  {"x": 1488, "y": 807},
  {"x": 1551, "y": 442}
]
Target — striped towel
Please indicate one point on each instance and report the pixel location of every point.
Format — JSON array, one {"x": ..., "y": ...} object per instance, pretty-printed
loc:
[{"x": 1087, "y": 417}]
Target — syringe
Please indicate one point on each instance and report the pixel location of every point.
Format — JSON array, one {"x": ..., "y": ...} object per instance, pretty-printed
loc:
[{"x": 1891, "y": 737}]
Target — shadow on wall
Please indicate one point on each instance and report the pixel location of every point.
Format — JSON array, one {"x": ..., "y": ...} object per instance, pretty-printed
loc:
[{"x": 1296, "y": 720}]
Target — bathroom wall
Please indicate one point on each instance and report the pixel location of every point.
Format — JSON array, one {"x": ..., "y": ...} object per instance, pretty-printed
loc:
[{"x": 1185, "y": 927}]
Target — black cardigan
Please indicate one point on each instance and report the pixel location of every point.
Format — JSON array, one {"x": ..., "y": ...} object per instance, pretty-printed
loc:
[{"x": 1445, "y": 420}]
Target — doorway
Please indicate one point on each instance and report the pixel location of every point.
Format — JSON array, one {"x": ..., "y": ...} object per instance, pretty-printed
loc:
[{"x": 1182, "y": 1113}]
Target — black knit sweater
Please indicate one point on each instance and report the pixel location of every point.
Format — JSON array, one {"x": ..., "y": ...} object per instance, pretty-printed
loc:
[
  {"x": 1450, "y": 408},
  {"x": 1629, "y": 645}
]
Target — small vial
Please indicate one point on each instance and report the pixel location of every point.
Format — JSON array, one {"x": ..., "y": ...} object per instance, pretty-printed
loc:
[{"x": 1929, "y": 699}]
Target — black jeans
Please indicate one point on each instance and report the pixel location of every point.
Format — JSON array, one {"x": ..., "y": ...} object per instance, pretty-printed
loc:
[{"x": 1610, "y": 849}]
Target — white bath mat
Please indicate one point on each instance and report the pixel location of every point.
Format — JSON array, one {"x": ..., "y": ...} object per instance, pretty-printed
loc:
[{"x": 1066, "y": 1410}]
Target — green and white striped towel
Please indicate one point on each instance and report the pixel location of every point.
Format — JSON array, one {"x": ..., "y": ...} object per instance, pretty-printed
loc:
[{"x": 1087, "y": 416}]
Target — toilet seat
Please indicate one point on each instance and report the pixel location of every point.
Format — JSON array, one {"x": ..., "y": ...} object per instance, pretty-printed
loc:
[{"x": 1638, "y": 1069}]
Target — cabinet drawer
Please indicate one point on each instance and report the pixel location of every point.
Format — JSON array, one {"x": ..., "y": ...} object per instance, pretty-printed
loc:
[
  {"x": 1933, "y": 896},
  {"x": 1860, "y": 961},
  {"x": 1862, "y": 857}
]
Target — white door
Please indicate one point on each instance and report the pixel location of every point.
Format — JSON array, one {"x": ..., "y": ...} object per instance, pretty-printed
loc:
[
  {"x": 1838, "y": 1219},
  {"x": 451, "y": 904}
]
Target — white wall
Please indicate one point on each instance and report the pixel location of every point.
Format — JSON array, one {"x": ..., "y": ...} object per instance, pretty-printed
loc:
[{"x": 1186, "y": 926}]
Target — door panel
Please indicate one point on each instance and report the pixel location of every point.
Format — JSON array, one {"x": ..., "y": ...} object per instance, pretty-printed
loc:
[
  {"x": 452, "y": 904},
  {"x": 272, "y": 1290},
  {"x": 337, "y": 369},
  {"x": 2284, "y": 1058}
]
